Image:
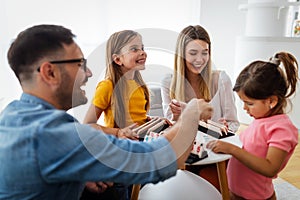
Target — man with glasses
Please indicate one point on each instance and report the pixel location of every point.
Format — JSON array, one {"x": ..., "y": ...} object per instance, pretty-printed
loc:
[
  {"x": 46, "y": 153},
  {"x": 79, "y": 60}
]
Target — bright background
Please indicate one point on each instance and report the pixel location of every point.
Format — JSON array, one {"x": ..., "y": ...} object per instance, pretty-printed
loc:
[{"x": 159, "y": 21}]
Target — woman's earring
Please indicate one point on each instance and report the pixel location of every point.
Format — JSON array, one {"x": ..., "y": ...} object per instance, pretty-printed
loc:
[{"x": 271, "y": 107}]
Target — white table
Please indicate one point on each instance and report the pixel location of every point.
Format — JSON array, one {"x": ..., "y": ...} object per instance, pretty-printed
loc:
[
  {"x": 214, "y": 157},
  {"x": 220, "y": 160}
]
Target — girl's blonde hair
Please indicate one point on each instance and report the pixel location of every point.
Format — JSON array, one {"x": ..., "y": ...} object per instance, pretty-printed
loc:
[
  {"x": 261, "y": 80},
  {"x": 179, "y": 81},
  {"x": 113, "y": 72}
]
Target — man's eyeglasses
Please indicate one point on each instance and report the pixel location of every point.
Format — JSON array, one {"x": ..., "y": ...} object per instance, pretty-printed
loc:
[{"x": 80, "y": 60}]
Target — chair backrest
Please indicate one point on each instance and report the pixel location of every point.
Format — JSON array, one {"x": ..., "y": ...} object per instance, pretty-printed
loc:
[
  {"x": 155, "y": 101},
  {"x": 185, "y": 185}
]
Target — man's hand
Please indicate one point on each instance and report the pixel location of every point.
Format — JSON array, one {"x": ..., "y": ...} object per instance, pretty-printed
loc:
[
  {"x": 183, "y": 133},
  {"x": 98, "y": 187}
]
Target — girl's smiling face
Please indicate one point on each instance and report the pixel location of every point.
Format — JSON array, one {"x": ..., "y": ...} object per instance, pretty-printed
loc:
[{"x": 133, "y": 56}]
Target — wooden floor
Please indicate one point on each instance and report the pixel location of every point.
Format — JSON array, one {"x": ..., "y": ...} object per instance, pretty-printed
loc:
[{"x": 291, "y": 173}]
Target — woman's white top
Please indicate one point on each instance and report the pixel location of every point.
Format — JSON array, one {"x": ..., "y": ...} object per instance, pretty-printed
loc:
[{"x": 223, "y": 102}]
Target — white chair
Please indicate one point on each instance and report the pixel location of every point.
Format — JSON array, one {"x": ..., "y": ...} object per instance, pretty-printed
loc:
[
  {"x": 185, "y": 185},
  {"x": 155, "y": 101}
]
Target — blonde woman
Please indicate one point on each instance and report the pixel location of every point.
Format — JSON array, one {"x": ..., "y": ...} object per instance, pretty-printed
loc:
[{"x": 193, "y": 77}]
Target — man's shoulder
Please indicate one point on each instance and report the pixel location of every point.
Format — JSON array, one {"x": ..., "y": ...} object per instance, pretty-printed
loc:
[{"x": 19, "y": 112}]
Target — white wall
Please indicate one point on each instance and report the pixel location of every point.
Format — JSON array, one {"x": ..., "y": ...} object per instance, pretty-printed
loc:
[
  {"x": 93, "y": 21},
  {"x": 80, "y": 16},
  {"x": 231, "y": 52},
  {"x": 8, "y": 82},
  {"x": 224, "y": 22}
]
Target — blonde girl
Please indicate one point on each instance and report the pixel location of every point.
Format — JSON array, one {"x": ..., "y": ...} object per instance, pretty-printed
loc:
[{"x": 122, "y": 96}]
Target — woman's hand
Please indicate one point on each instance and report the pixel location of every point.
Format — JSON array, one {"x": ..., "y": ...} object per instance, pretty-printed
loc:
[
  {"x": 177, "y": 108},
  {"x": 225, "y": 127}
]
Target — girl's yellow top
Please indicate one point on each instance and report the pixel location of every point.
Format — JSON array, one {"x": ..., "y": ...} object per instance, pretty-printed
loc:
[{"x": 135, "y": 102}]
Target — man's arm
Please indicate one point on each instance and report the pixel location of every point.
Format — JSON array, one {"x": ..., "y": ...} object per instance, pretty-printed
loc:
[
  {"x": 81, "y": 153},
  {"x": 183, "y": 133}
]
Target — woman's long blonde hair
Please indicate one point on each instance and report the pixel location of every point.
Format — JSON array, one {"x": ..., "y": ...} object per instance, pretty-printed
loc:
[
  {"x": 114, "y": 73},
  {"x": 179, "y": 81}
]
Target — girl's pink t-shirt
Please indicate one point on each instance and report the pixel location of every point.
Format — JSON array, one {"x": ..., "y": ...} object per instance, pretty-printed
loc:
[{"x": 276, "y": 131}]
